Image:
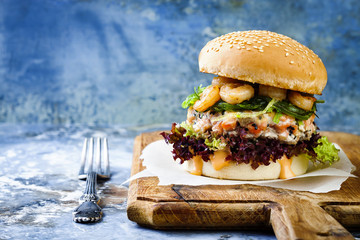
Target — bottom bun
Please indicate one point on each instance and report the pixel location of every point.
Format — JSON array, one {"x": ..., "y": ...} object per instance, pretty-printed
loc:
[{"x": 242, "y": 171}]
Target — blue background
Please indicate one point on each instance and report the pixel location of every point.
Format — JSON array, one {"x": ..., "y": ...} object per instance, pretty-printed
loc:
[{"x": 133, "y": 62}]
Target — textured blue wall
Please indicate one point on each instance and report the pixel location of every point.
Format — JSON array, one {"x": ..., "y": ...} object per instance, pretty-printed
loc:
[{"x": 133, "y": 62}]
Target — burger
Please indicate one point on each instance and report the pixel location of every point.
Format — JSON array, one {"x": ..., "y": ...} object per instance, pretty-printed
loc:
[{"x": 256, "y": 119}]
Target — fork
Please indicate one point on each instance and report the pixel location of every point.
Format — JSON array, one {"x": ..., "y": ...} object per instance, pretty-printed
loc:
[{"x": 89, "y": 210}]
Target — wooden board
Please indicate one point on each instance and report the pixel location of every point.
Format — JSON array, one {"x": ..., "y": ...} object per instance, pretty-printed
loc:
[{"x": 291, "y": 214}]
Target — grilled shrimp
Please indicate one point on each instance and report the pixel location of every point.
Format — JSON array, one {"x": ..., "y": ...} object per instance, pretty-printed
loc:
[
  {"x": 236, "y": 93},
  {"x": 273, "y": 92},
  {"x": 207, "y": 98},
  {"x": 302, "y": 101},
  {"x": 220, "y": 81}
]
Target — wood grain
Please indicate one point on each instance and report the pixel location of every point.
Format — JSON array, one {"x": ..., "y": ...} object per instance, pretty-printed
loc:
[{"x": 291, "y": 214}]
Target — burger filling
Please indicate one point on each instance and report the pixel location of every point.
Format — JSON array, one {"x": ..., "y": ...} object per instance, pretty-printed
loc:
[
  {"x": 253, "y": 124},
  {"x": 286, "y": 129}
]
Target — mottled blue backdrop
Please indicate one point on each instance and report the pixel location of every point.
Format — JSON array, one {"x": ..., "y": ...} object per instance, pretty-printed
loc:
[{"x": 133, "y": 62}]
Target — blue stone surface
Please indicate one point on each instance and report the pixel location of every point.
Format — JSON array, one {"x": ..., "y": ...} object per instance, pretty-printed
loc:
[{"x": 133, "y": 62}]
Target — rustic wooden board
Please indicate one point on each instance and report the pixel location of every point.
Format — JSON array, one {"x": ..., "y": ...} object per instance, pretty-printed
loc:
[{"x": 291, "y": 214}]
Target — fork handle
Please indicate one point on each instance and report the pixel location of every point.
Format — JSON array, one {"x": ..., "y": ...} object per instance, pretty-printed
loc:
[
  {"x": 90, "y": 189},
  {"x": 88, "y": 210}
]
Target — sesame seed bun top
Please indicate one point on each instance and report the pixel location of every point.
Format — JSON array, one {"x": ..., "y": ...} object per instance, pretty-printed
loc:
[{"x": 266, "y": 58}]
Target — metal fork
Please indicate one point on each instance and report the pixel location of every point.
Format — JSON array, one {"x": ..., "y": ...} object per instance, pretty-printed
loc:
[{"x": 89, "y": 210}]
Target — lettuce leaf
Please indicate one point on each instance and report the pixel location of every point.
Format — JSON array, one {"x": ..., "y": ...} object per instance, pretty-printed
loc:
[
  {"x": 277, "y": 117},
  {"x": 189, "y": 129},
  {"x": 260, "y": 103},
  {"x": 212, "y": 143},
  {"x": 256, "y": 103},
  {"x": 326, "y": 151},
  {"x": 215, "y": 144},
  {"x": 294, "y": 111},
  {"x": 192, "y": 98},
  {"x": 240, "y": 114}
]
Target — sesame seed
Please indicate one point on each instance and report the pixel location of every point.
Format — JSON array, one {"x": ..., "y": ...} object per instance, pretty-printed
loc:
[
  {"x": 260, "y": 50},
  {"x": 313, "y": 61},
  {"x": 291, "y": 62},
  {"x": 287, "y": 54}
]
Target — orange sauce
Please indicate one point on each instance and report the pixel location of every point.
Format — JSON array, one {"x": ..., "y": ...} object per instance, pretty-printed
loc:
[
  {"x": 198, "y": 164},
  {"x": 218, "y": 160},
  {"x": 286, "y": 171}
]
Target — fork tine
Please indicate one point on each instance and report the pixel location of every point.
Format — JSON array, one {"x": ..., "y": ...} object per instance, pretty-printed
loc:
[
  {"x": 98, "y": 156},
  {"x": 106, "y": 156},
  {"x": 82, "y": 174},
  {"x": 91, "y": 154}
]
